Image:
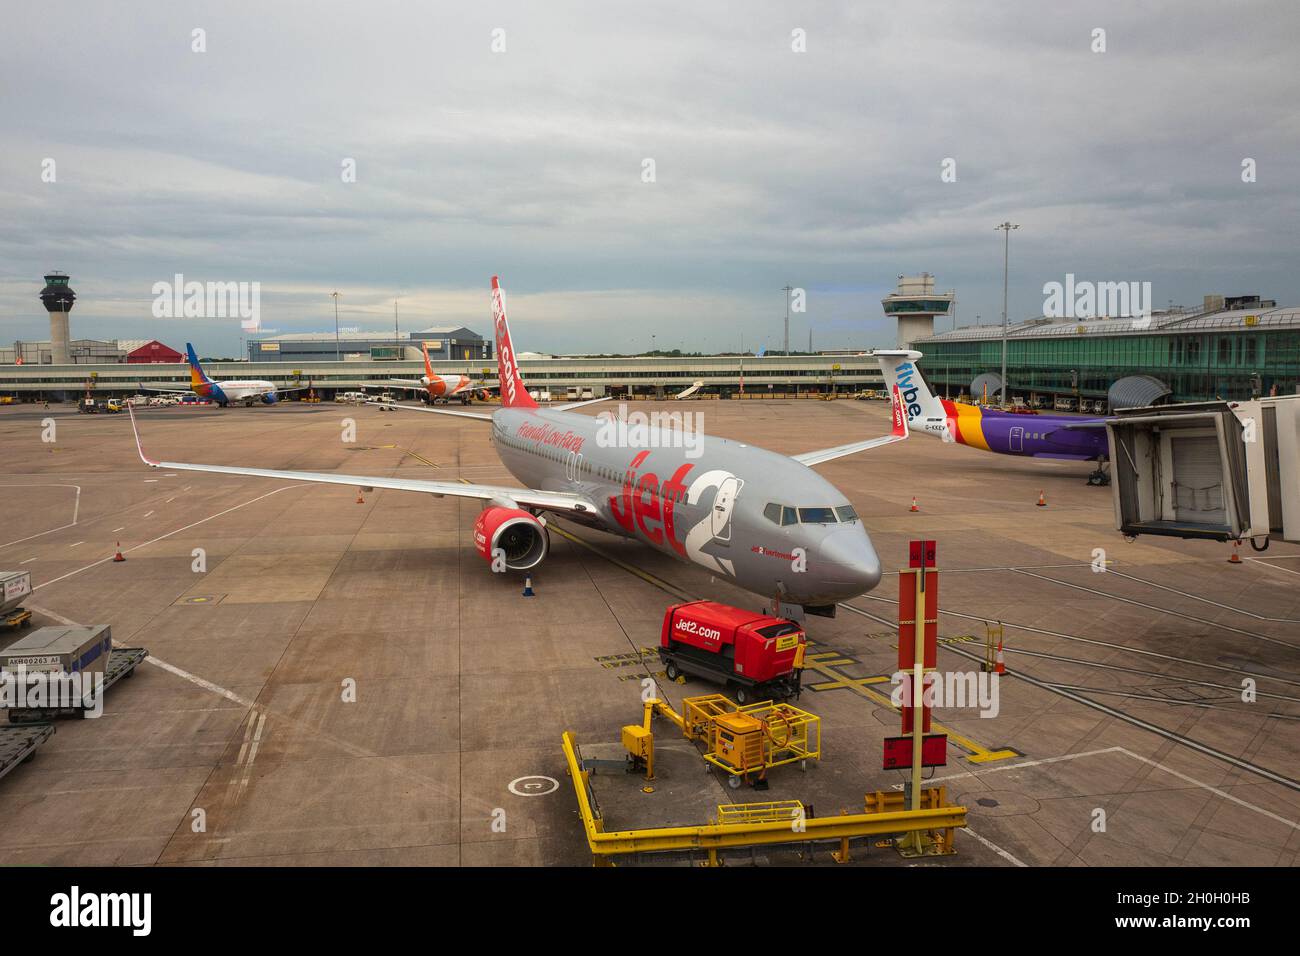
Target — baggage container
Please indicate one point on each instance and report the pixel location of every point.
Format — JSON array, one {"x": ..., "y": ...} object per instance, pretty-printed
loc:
[
  {"x": 14, "y": 587},
  {"x": 60, "y": 650}
]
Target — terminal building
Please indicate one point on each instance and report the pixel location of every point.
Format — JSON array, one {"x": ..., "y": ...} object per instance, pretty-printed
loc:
[
  {"x": 563, "y": 377},
  {"x": 1230, "y": 348},
  {"x": 455, "y": 343}
]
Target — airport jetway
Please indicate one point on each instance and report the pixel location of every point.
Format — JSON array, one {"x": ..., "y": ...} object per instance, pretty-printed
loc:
[{"x": 1225, "y": 471}]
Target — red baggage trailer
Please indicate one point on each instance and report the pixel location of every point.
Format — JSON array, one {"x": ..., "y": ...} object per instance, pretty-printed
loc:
[{"x": 756, "y": 656}]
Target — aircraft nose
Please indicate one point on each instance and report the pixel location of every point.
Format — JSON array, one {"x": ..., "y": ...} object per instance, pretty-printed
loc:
[{"x": 852, "y": 559}]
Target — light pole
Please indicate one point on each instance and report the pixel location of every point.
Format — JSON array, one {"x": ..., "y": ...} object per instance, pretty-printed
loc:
[
  {"x": 1006, "y": 228},
  {"x": 338, "y": 351},
  {"x": 787, "y": 290}
]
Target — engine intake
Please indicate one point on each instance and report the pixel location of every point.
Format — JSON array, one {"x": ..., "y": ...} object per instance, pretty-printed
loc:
[{"x": 521, "y": 538}]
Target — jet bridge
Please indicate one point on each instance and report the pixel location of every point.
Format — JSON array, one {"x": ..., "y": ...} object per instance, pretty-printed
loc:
[{"x": 1224, "y": 471}]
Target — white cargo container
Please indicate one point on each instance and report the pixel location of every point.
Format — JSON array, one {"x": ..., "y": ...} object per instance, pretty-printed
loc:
[
  {"x": 14, "y": 586},
  {"x": 60, "y": 650}
]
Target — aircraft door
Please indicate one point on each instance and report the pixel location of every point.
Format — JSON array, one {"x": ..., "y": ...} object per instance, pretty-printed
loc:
[{"x": 1017, "y": 438}]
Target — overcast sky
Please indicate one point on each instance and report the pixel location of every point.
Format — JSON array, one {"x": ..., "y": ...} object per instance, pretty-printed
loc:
[{"x": 820, "y": 169}]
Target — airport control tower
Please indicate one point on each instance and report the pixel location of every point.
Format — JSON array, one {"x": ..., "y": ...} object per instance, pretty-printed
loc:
[
  {"x": 58, "y": 299},
  {"x": 915, "y": 304}
]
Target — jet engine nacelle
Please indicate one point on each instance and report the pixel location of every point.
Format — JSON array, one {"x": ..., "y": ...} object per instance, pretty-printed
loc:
[
  {"x": 520, "y": 536},
  {"x": 269, "y": 398}
]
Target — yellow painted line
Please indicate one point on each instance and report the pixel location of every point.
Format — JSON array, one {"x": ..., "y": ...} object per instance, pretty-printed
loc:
[
  {"x": 420, "y": 458},
  {"x": 978, "y": 752},
  {"x": 837, "y": 684},
  {"x": 645, "y": 576}
]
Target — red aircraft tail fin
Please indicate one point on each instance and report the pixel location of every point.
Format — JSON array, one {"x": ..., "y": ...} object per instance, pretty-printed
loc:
[{"x": 513, "y": 392}]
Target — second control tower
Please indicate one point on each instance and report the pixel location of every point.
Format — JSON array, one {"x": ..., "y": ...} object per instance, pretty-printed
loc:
[
  {"x": 58, "y": 299},
  {"x": 915, "y": 304}
]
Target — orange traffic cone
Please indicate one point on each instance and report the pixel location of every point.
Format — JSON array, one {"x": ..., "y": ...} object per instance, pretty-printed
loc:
[
  {"x": 914, "y": 507},
  {"x": 1235, "y": 558},
  {"x": 999, "y": 664},
  {"x": 1042, "y": 500},
  {"x": 360, "y": 500},
  {"x": 118, "y": 556}
]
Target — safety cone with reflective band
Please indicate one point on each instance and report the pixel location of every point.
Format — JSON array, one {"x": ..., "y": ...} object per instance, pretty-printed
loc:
[
  {"x": 1042, "y": 500},
  {"x": 999, "y": 664},
  {"x": 1235, "y": 558},
  {"x": 360, "y": 500},
  {"x": 528, "y": 585},
  {"x": 119, "y": 556},
  {"x": 914, "y": 507}
]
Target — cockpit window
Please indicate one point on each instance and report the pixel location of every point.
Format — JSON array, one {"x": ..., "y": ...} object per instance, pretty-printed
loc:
[
  {"x": 780, "y": 514},
  {"x": 846, "y": 513},
  {"x": 817, "y": 515}
]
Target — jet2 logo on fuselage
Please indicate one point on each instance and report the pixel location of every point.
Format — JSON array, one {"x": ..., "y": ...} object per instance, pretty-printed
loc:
[{"x": 648, "y": 507}]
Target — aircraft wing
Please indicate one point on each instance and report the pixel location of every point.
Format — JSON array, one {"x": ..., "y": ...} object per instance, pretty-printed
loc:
[
  {"x": 434, "y": 411},
  {"x": 398, "y": 383},
  {"x": 899, "y": 433},
  {"x": 571, "y": 405},
  {"x": 527, "y": 497},
  {"x": 1094, "y": 423},
  {"x": 164, "y": 388}
]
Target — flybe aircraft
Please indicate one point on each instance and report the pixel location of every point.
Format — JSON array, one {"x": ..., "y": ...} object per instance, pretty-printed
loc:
[
  {"x": 764, "y": 521},
  {"x": 246, "y": 391},
  {"x": 1007, "y": 433}
]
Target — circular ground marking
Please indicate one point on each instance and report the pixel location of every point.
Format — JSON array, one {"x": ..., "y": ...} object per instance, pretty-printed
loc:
[
  {"x": 535, "y": 786},
  {"x": 999, "y": 803}
]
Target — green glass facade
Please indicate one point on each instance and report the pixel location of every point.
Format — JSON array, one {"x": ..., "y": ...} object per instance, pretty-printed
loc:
[{"x": 1198, "y": 366}]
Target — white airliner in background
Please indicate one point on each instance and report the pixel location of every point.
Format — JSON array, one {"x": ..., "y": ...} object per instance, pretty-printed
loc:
[
  {"x": 765, "y": 521},
  {"x": 245, "y": 391}
]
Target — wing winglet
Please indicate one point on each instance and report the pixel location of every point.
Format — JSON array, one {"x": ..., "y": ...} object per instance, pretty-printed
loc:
[
  {"x": 898, "y": 432},
  {"x": 130, "y": 410}
]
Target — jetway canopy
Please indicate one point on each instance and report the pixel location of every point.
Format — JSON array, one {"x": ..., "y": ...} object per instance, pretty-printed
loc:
[
  {"x": 992, "y": 379},
  {"x": 1136, "y": 391},
  {"x": 1219, "y": 470}
]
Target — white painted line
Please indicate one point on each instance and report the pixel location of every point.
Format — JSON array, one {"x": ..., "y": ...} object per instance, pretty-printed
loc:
[
  {"x": 164, "y": 536},
  {"x": 1274, "y": 566},
  {"x": 151, "y": 481},
  {"x": 75, "y": 543},
  {"x": 1121, "y": 750},
  {"x": 116, "y": 530},
  {"x": 48, "y": 613},
  {"x": 170, "y": 500},
  {"x": 148, "y": 513},
  {"x": 994, "y": 847},
  {"x": 28, "y": 560},
  {"x": 199, "y": 681},
  {"x": 76, "y": 509}
]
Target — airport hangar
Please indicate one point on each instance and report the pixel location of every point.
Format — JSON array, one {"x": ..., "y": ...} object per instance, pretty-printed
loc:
[
  {"x": 774, "y": 376},
  {"x": 1231, "y": 348}
]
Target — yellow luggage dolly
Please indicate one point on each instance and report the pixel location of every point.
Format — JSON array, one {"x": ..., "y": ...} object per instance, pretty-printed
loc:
[
  {"x": 18, "y": 617},
  {"x": 754, "y": 739}
]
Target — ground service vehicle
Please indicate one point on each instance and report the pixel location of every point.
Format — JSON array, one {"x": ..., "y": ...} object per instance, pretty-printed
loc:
[{"x": 754, "y": 655}]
